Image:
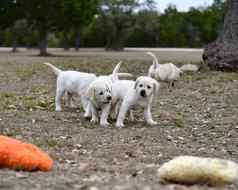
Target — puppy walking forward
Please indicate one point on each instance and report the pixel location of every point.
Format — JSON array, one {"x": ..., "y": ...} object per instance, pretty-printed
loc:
[
  {"x": 140, "y": 92},
  {"x": 99, "y": 95},
  {"x": 76, "y": 83}
]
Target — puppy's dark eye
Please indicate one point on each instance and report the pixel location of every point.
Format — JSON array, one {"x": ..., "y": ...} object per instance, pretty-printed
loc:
[
  {"x": 149, "y": 87},
  {"x": 101, "y": 93},
  {"x": 141, "y": 85}
]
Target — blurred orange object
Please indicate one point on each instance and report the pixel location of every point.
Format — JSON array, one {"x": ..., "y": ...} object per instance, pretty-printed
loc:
[{"x": 17, "y": 155}]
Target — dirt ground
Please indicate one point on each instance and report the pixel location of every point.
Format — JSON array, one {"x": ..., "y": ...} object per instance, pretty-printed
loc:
[{"x": 198, "y": 117}]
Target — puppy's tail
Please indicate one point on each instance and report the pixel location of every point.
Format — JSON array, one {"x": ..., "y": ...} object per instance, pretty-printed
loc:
[
  {"x": 124, "y": 75},
  {"x": 116, "y": 69},
  {"x": 55, "y": 69},
  {"x": 115, "y": 74},
  {"x": 155, "y": 60}
]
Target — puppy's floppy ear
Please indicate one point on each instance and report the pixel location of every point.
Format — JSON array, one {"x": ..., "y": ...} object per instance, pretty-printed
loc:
[
  {"x": 136, "y": 83},
  {"x": 156, "y": 86},
  {"x": 109, "y": 87},
  {"x": 91, "y": 93}
]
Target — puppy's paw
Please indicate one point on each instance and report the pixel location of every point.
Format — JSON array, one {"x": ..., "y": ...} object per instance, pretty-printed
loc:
[
  {"x": 152, "y": 123},
  {"x": 120, "y": 125},
  {"x": 94, "y": 120},
  {"x": 86, "y": 116},
  {"x": 104, "y": 124},
  {"x": 58, "y": 109}
]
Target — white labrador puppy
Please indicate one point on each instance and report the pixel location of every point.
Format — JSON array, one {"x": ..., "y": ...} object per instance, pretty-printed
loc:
[
  {"x": 131, "y": 93},
  {"x": 71, "y": 82},
  {"x": 99, "y": 95},
  {"x": 164, "y": 72},
  {"x": 119, "y": 91},
  {"x": 74, "y": 82}
]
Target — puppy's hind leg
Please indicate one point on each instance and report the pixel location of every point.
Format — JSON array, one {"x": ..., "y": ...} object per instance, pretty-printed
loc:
[
  {"x": 115, "y": 110},
  {"x": 59, "y": 94},
  {"x": 69, "y": 99}
]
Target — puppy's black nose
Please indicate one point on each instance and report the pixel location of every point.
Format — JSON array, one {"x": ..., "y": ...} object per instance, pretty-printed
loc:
[
  {"x": 109, "y": 98},
  {"x": 143, "y": 93}
]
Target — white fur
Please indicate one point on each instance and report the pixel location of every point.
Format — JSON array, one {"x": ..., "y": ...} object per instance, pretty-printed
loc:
[
  {"x": 99, "y": 94},
  {"x": 71, "y": 82},
  {"x": 74, "y": 82},
  {"x": 164, "y": 72},
  {"x": 119, "y": 91},
  {"x": 130, "y": 93},
  {"x": 197, "y": 170}
]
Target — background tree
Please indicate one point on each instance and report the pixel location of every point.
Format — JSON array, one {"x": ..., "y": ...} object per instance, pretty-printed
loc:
[
  {"x": 51, "y": 16},
  {"x": 19, "y": 31},
  {"x": 222, "y": 54},
  {"x": 146, "y": 30},
  {"x": 42, "y": 15},
  {"x": 88, "y": 10},
  {"x": 8, "y": 14},
  {"x": 116, "y": 24},
  {"x": 171, "y": 23},
  {"x": 117, "y": 18}
]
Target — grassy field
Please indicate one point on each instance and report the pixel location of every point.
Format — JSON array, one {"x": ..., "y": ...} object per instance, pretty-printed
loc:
[{"x": 198, "y": 117}]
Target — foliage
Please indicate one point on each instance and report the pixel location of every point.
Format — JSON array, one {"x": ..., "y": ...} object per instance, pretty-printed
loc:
[{"x": 111, "y": 24}]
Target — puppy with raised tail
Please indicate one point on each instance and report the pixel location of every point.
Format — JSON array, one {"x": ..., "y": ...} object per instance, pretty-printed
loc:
[
  {"x": 70, "y": 83},
  {"x": 131, "y": 93},
  {"x": 164, "y": 72},
  {"x": 76, "y": 83},
  {"x": 99, "y": 94}
]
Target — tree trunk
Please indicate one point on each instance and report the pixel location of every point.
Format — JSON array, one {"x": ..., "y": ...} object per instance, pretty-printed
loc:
[
  {"x": 65, "y": 41},
  {"x": 43, "y": 42},
  {"x": 14, "y": 46},
  {"x": 223, "y": 53},
  {"x": 77, "y": 41}
]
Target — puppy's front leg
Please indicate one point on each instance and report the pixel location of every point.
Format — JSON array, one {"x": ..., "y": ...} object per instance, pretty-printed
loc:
[
  {"x": 104, "y": 115},
  {"x": 122, "y": 114},
  {"x": 88, "y": 112},
  {"x": 148, "y": 116},
  {"x": 84, "y": 102},
  {"x": 94, "y": 113}
]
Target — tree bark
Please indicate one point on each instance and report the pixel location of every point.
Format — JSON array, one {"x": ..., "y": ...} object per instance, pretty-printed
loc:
[
  {"x": 65, "y": 41},
  {"x": 77, "y": 41},
  {"x": 223, "y": 53},
  {"x": 43, "y": 42},
  {"x": 14, "y": 45}
]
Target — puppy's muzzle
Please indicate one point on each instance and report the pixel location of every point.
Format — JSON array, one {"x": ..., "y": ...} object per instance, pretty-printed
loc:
[
  {"x": 109, "y": 98},
  {"x": 143, "y": 93}
]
